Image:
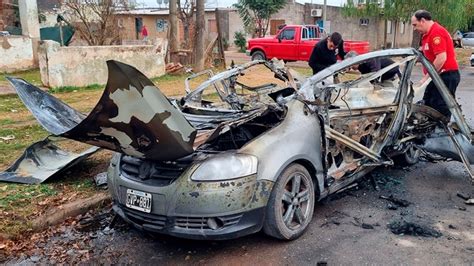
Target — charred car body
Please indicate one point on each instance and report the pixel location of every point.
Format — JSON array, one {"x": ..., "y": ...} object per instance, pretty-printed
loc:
[{"x": 199, "y": 169}]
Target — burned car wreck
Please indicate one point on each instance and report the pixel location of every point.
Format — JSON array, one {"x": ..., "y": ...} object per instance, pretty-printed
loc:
[{"x": 237, "y": 163}]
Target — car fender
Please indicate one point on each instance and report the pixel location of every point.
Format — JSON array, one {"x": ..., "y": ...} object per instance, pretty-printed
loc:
[{"x": 297, "y": 138}]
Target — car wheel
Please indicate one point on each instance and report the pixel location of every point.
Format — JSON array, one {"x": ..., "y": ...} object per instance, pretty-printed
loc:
[
  {"x": 410, "y": 157},
  {"x": 258, "y": 55},
  {"x": 291, "y": 204}
]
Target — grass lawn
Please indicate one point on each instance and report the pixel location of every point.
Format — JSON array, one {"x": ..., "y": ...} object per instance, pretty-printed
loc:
[{"x": 32, "y": 76}]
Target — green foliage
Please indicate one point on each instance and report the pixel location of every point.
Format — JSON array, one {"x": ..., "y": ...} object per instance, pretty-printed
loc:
[
  {"x": 452, "y": 14},
  {"x": 74, "y": 88},
  {"x": 256, "y": 13},
  {"x": 240, "y": 41}
]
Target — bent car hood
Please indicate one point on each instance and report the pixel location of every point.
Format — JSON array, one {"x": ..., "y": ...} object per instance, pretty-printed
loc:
[{"x": 132, "y": 117}]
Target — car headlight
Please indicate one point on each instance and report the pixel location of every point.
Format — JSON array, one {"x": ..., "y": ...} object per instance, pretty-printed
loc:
[{"x": 225, "y": 167}]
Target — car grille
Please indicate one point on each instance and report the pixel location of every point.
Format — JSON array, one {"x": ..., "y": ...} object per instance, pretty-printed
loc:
[
  {"x": 202, "y": 222},
  {"x": 150, "y": 172},
  {"x": 141, "y": 218},
  {"x": 158, "y": 222}
]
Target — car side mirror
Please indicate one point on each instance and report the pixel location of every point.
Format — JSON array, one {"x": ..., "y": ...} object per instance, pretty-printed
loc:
[{"x": 279, "y": 38}]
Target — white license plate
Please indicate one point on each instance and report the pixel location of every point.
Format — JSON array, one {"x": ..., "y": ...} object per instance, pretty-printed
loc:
[{"x": 138, "y": 200}]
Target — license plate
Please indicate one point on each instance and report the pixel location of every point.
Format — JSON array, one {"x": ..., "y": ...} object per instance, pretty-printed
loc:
[{"x": 138, "y": 200}]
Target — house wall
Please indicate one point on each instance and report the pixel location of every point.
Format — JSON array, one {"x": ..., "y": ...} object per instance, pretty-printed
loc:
[
  {"x": 402, "y": 39},
  {"x": 235, "y": 25},
  {"x": 16, "y": 53},
  {"x": 157, "y": 26},
  {"x": 292, "y": 13},
  {"x": 86, "y": 65},
  {"x": 350, "y": 28}
]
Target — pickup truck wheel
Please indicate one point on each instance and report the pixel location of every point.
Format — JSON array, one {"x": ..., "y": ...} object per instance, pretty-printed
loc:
[
  {"x": 290, "y": 207},
  {"x": 258, "y": 55}
]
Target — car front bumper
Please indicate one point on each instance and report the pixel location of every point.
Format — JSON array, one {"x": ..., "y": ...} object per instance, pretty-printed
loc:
[
  {"x": 194, "y": 210},
  {"x": 231, "y": 226}
]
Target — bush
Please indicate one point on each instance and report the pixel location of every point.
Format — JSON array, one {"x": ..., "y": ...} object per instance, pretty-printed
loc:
[{"x": 240, "y": 41}]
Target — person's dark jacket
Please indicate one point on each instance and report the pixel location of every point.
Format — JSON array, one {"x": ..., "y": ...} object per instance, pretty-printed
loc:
[
  {"x": 322, "y": 57},
  {"x": 377, "y": 64}
]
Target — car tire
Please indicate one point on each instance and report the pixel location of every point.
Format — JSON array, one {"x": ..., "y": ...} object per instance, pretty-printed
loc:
[
  {"x": 290, "y": 207},
  {"x": 258, "y": 55},
  {"x": 410, "y": 157}
]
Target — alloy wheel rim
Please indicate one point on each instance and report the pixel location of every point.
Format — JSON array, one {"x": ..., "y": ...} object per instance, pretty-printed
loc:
[{"x": 295, "y": 201}]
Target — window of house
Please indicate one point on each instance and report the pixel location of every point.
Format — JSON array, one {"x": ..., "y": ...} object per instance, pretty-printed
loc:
[
  {"x": 389, "y": 27},
  {"x": 288, "y": 34},
  {"x": 402, "y": 27}
]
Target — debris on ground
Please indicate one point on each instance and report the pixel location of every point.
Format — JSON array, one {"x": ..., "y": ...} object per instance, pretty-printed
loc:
[
  {"x": 334, "y": 218},
  {"x": 380, "y": 180},
  {"x": 7, "y": 138},
  {"x": 469, "y": 202},
  {"x": 462, "y": 196},
  {"x": 413, "y": 229},
  {"x": 397, "y": 201},
  {"x": 461, "y": 208},
  {"x": 77, "y": 239},
  {"x": 367, "y": 226},
  {"x": 392, "y": 207},
  {"x": 101, "y": 180},
  {"x": 174, "y": 68}
]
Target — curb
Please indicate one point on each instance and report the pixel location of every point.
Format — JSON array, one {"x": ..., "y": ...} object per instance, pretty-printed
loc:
[{"x": 59, "y": 214}]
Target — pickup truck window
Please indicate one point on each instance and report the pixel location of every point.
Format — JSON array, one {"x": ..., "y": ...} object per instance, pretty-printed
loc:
[
  {"x": 310, "y": 33},
  {"x": 288, "y": 34}
]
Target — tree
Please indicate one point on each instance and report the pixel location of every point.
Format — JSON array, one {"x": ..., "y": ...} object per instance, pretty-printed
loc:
[
  {"x": 452, "y": 14},
  {"x": 239, "y": 40},
  {"x": 186, "y": 15},
  {"x": 97, "y": 22},
  {"x": 199, "y": 37},
  {"x": 256, "y": 13}
]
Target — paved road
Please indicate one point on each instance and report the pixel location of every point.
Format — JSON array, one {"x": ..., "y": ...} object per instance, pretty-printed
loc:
[{"x": 335, "y": 235}]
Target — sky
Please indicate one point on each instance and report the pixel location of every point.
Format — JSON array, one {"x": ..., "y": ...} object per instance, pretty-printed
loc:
[{"x": 228, "y": 3}]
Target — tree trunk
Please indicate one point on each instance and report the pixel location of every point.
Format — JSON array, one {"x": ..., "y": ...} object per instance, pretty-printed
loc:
[
  {"x": 186, "y": 33},
  {"x": 173, "y": 41},
  {"x": 199, "y": 37},
  {"x": 416, "y": 40}
]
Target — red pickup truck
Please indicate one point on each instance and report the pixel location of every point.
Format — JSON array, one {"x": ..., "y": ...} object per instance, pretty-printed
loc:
[{"x": 295, "y": 42}]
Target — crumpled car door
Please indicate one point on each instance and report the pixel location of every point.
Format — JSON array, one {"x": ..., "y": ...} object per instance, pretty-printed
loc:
[
  {"x": 132, "y": 117},
  {"x": 457, "y": 140}
]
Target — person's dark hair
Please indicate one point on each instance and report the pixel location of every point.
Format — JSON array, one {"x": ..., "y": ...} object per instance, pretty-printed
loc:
[
  {"x": 336, "y": 38},
  {"x": 422, "y": 14}
]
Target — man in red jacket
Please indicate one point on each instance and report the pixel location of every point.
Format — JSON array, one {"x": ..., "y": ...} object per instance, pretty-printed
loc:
[{"x": 437, "y": 46}]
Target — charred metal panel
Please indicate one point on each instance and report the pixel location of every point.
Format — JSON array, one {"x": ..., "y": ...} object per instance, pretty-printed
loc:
[
  {"x": 41, "y": 161},
  {"x": 297, "y": 138},
  {"x": 132, "y": 117}
]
